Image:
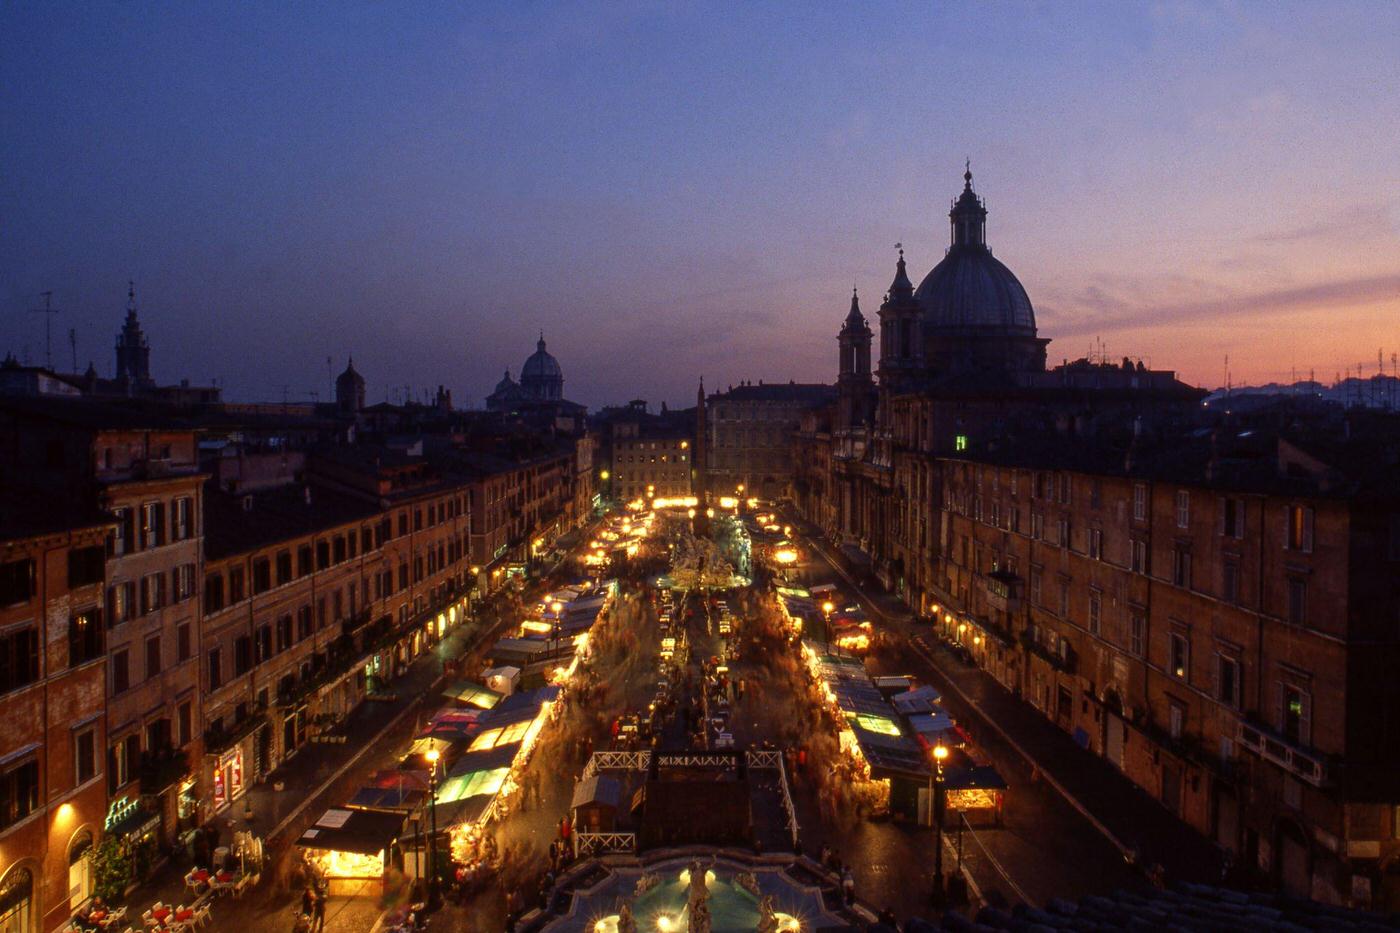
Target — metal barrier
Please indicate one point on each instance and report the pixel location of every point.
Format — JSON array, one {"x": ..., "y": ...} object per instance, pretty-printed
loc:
[{"x": 617, "y": 761}]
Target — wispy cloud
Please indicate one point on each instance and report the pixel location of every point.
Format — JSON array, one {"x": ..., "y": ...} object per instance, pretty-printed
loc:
[{"x": 1280, "y": 303}]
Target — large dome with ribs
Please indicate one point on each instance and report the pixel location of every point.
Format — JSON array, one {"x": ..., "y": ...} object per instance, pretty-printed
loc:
[{"x": 970, "y": 292}]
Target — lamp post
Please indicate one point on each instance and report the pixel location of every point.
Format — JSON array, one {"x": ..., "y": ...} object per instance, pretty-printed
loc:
[
  {"x": 432, "y": 756},
  {"x": 936, "y": 789},
  {"x": 827, "y": 608}
]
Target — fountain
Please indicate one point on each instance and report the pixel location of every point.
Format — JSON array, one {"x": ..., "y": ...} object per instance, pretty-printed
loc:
[{"x": 701, "y": 898}]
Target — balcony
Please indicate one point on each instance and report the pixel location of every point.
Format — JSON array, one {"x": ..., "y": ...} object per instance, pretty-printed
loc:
[
  {"x": 162, "y": 768},
  {"x": 1003, "y": 591},
  {"x": 218, "y": 739},
  {"x": 1065, "y": 660},
  {"x": 1269, "y": 745}
]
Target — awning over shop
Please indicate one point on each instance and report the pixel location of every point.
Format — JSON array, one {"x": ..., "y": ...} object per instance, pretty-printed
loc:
[
  {"x": 134, "y": 824},
  {"x": 364, "y": 832},
  {"x": 473, "y": 694}
]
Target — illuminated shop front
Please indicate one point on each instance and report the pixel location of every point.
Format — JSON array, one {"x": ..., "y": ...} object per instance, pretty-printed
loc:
[{"x": 228, "y": 778}]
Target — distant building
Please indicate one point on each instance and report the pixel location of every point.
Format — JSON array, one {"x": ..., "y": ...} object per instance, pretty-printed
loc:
[
  {"x": 750, "y": 433},
  {"x": 648, "y": 455}
]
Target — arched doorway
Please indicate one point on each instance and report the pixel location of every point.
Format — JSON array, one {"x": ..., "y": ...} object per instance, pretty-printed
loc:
[
  {"x": 1387, "y": 898},
  {"x": 1292, "y": 863},
  {"x": 17, "y": 902},
  {"x": 79, "y": 869}
]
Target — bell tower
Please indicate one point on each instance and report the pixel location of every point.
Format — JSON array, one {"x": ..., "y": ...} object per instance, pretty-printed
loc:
[{"x": 854, "y": 386}]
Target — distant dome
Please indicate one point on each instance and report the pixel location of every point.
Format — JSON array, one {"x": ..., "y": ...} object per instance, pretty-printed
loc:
[
  {"x": 540, "y": 377},
  {"x": 541, "y": 365},
  {"x": 506, "y": 383},
  {"x": 970, "y": 291}
]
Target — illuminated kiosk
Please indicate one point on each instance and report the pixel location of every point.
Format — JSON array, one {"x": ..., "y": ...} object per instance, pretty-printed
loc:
[{"x": 353, "y": 849}]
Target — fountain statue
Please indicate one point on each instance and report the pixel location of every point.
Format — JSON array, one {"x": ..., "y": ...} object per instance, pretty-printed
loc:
[
  {"x": 699, "y": 917},
  {"x": 645, "y": 883},
  {"x": 625, "y": 923},
  {"x": 698, "y": 906},
  {"x": 767, "y": 919},
  {"x": 747, "y": 881}
]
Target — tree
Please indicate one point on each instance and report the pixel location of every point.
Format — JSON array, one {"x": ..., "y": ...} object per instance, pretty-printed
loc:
[{"x": 111, "y": 869}]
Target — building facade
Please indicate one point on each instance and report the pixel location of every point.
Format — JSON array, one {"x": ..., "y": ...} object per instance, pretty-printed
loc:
[
  {"x": 1209, "y": 606},
  {"x": 53, "y": 729}
]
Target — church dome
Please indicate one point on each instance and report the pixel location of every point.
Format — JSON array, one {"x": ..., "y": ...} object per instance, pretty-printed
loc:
[
  {"x": 540, "y": 377},
  {"x": 540, "y": 365},
  {"x": 506, "y": 383},
  {"x": 970, "y": 291}
]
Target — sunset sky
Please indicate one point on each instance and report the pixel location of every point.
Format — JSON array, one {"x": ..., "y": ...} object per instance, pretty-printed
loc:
[{"x": 674, "y": 190}]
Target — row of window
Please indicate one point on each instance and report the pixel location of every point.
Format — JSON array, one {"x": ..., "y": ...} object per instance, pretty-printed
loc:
[
  {"x": 674, "y": 458},
  {"x": 279, "y": 570},
  {"x": 152, "y": 525},
  {"x": 121, "y": 668},
  {"x": 133, "y": 599}
]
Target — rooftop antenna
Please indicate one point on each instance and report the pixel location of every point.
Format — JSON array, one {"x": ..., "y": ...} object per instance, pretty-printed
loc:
[
  {"x": 330, "y": 379},
  {"x": 73, "y": 343},
  {"x": 48, "y": 311}
]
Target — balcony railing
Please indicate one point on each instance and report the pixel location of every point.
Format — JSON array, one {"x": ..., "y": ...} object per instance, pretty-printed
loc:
[{"x": 1271, "y": 746}]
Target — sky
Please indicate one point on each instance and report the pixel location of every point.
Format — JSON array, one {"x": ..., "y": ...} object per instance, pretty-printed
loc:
[{"x": 672, "y": 191}]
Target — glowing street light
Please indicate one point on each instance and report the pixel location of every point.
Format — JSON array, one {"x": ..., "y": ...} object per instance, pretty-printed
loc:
[
  {"x": 940, "y": 752},
  {"x": 432, "y": 756}
]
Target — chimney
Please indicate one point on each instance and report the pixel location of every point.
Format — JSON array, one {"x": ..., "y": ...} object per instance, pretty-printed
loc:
[{"x": 306, "y": 491}]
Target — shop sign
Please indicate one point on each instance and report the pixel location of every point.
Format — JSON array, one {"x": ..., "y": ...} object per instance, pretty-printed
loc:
[{"x": 120, "y": 809}]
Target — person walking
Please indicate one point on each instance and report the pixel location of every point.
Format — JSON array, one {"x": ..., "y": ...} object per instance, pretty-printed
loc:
[{"x": 318, "y": 913}]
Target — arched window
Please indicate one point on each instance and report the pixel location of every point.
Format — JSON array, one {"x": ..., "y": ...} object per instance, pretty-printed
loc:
[
  {"x": 79, "y": 869},
  {"x": 16, "y": 902}
]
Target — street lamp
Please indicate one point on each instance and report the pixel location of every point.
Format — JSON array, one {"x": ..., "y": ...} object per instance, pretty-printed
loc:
[
  {"x": 940, "y": 752},
  {"x": 432, "y": 756},
  {"x": 827, "y": 608}
]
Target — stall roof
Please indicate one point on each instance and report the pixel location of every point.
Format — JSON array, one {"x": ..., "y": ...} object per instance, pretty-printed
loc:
[
  {"x": 466, "y": 810},
  {"x": 406, "y": 798},
  {"x": 466, "y": 691},
  {"x": 920, "y": 700},
  {"x": 974, "y": 776},
  {"x": 597, "y": 789},
  {"x": 487, "y": 759},
  {"x": 931, "y": 722},
  {"x": 364, "y": 832}
]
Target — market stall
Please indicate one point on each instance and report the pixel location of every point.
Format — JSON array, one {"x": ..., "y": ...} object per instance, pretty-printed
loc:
[{"x": 352, "y": 849}]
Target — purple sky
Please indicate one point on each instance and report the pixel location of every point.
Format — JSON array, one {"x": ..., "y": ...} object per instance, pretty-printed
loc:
[{"x": 671, "y": 190}]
